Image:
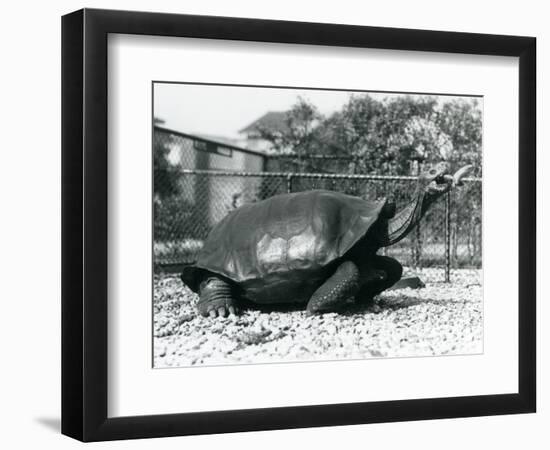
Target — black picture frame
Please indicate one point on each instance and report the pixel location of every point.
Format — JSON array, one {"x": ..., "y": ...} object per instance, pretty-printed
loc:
[{"x": 84, "y": 224}]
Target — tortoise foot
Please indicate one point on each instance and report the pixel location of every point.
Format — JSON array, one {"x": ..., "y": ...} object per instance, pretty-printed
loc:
[
  {"x": 216, "y": 300},
  {"x": 218, "y": 310}
]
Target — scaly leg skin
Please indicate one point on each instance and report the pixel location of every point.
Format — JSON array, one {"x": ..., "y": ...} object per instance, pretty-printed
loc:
[
  {"x": 215, "y": 298},
  {"x": 334, "y": 292},
  {"x": 386, "y": 272}
]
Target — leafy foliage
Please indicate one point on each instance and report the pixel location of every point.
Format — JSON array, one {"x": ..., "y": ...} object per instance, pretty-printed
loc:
[
  {"x": 395, "y": 135},
  {"x": 461, "y": 121},
  {"x": 165, "y": 178}
]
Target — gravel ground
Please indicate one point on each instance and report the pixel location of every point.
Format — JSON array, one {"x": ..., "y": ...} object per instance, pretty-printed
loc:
[{"x": 440, "y": 319}]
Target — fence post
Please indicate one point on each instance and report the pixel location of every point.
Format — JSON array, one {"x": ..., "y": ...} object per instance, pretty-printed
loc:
[
  {"x": 417, "y": 244},
  {"x": 289, "y": 183},
  {"x": 448, "y": 237}
]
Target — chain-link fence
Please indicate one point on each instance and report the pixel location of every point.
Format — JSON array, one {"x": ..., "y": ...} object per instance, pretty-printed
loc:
[
  {"x": 195, "y": 189},
  {"x": 312, "y": 163}
]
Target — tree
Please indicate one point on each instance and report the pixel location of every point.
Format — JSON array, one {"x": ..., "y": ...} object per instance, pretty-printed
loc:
[
  {"x": 382, "y": 136},
  {"x": 299, "y": 136},
  {"x": 164, "y": 176},
  {"x": 352, "y": 132},
  {"x": 393, "y": 136},
  {"x": 460, "y": 119}
]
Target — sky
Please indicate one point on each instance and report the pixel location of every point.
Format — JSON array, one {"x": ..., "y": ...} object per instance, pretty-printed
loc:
[{"x": 224, "y": 110}]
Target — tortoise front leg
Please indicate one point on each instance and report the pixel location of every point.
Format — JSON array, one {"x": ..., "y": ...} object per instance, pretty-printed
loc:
[
  {"x": 333, "y": 293},
  {"x": 215, "y": 298}
]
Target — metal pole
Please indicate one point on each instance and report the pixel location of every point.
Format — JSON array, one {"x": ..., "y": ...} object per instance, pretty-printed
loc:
[
  {"x": 289, "y": 183},
  {"x": 417, "y": 246},
  {"x": 448, "y": 237}
]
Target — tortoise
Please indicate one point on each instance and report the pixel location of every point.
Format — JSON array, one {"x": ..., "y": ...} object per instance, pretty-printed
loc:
[{"x": 317, "y": 248}]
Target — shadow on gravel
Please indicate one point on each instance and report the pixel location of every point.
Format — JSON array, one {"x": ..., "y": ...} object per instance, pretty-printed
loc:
[
  {"x": 408, "y": 301},
  {"x": 273, "y": 307},
  {"x": 349, "y": 309}
]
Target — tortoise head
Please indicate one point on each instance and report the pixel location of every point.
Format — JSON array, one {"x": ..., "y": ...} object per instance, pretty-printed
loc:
[
  {"x": 437, "y": 179},
  {"x": 432, "y": 183}
]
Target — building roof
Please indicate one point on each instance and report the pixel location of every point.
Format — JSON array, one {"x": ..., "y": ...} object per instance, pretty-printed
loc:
[
  {"x": 211, "y": 141},
  {"x": 217, "y": 138},
  {"x": 272, "y": 120}
]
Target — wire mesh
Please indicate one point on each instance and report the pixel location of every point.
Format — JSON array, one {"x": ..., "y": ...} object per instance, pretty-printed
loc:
[{"x": 193, "y": 191}]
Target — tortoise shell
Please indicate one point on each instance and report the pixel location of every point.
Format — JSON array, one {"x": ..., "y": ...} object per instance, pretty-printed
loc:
[{"x": 284, "y": 241}]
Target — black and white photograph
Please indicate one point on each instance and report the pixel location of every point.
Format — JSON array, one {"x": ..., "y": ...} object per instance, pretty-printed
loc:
[
  {"x": 275, "y": 225},
  {"x": 299, "y": 224}
]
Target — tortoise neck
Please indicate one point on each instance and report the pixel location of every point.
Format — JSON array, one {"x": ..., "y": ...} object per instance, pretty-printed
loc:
[{"x": 406, "y": 219}]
